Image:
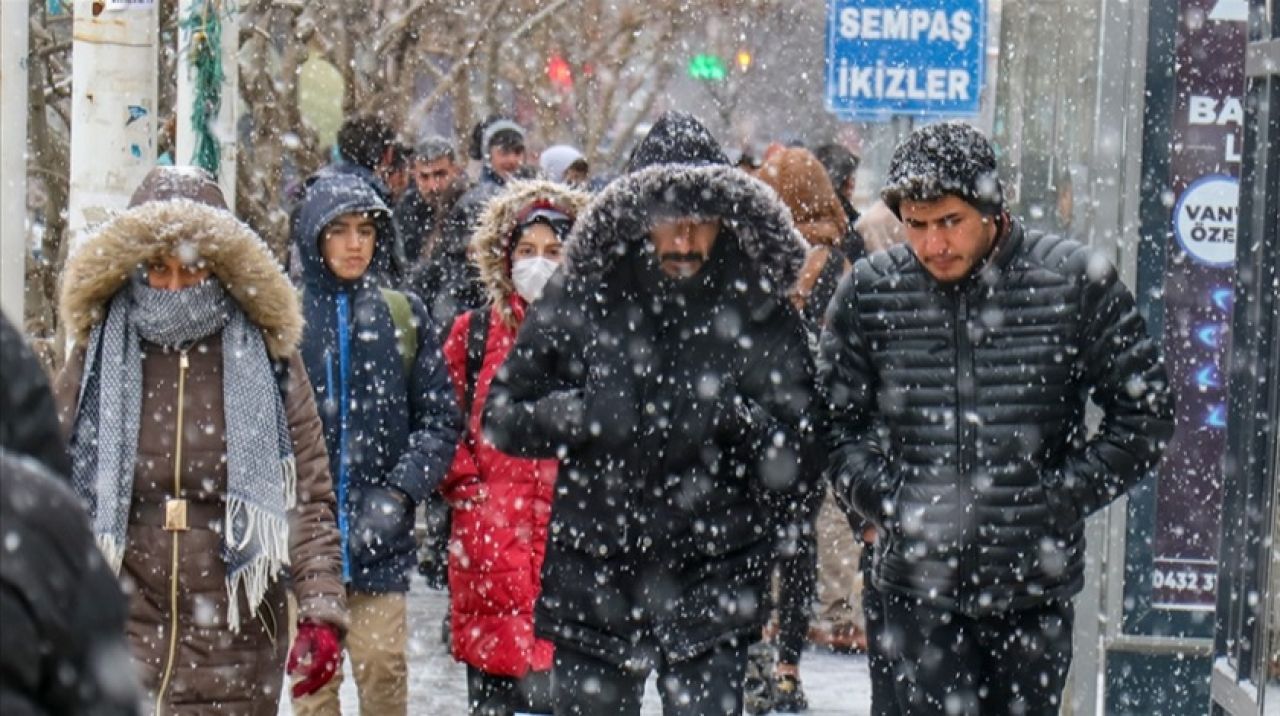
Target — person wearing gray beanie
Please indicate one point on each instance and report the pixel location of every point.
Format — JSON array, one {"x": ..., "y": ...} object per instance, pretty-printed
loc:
[{"x": 958, "y": 365}]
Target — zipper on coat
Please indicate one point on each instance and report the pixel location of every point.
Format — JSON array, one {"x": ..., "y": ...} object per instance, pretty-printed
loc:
[
  {"x": 344, "y": 365},
  {"x": 175, "y": 522},
  {"x": 330, "y": 387},
  {"x": 966, "y": 388}
]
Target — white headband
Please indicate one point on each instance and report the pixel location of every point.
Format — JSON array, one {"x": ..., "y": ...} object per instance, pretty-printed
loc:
[{"x": 501, "y": 125}]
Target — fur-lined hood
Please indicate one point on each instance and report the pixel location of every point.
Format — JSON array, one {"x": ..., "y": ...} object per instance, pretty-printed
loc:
[
  {"x": 679, "y": 170},
  {"x": 491, "y": 243},
  {"x": 624, "y": 212},
  {"x": 147, "y": 232},
  {"x": 803, "y": 185}
]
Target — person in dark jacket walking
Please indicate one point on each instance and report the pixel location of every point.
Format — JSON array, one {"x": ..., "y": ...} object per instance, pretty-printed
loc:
[
  {"x": 432, "y": 230},
  {"x": 448, "y": 283},
  {"x": 63, "y": 647},
  {"x": 958, "y": 366},
  {"x": 802, "y": 185},
  {"x": 668, "y": 370},
  {"x": 390, "y": 424}
]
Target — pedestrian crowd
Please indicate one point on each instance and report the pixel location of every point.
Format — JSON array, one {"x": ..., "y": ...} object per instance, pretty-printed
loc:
[{"x": 680, "y": 421}]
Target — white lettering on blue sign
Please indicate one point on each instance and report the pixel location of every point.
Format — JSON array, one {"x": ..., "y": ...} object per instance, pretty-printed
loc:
[
  {"x": 918, "y": 57},
  {"x": 874, "y": 23}
]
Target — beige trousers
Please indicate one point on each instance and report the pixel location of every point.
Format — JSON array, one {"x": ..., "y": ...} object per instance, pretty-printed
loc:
[
  {"x": 376, "y": 645},
  {"x": 839, "y": 579}
]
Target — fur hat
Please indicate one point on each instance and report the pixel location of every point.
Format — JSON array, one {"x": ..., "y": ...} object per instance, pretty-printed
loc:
[{"x": 947, "y": 159}]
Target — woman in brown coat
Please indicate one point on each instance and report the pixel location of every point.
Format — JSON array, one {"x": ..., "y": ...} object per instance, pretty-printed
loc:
[{"x": 196, "y": 444}]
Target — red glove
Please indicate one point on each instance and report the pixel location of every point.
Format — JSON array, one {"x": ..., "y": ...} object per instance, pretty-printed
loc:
[{"x": 316, "y": 654}]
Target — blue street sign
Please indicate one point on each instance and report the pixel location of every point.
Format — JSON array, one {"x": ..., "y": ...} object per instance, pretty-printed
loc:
[{"x": 912, "y": 57}]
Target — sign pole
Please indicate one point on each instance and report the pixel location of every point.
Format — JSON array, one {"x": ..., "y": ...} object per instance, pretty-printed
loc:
[
  {"x": 113, "y": 107},
  {"x": 13, "y": 158}
]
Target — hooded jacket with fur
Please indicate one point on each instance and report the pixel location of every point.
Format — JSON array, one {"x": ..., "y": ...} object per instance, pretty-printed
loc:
[
  {"x": 682, "y": 409},
  {"x": 501, "y": 503},
  {"x": 211, "y": 664}
]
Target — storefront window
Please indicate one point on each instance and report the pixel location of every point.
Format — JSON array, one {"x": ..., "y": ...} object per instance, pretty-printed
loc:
[{"x": 1047, "y": 93}]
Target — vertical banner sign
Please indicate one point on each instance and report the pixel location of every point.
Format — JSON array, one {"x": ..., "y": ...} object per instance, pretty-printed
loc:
[
  {"x": 905, "y": 57},
  {"x": 1204, "y": 165}
]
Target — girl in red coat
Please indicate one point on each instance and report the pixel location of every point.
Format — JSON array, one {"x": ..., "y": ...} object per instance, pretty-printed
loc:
[{"x": 501, "y": 504}]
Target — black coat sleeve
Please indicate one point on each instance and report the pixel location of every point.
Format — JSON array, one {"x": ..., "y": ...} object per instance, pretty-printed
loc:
[
  {"x": 857, "y": 467},
  {"x": 779, "y": 400},
  {"x": 28, "y": 416},
  {"x": 535, "y": 406},
  {"x": 62, "y": 648},
  {"x": 1122, "y": 369}
]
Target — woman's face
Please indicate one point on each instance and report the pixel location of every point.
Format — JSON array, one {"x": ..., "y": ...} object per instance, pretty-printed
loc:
[
  {"x": 537, "y": 240},
  {"x": 170, "y": 274}
]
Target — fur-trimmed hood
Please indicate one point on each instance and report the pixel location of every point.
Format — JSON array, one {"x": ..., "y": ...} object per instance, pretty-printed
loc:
[
  {"x": 623, "y": 213},
  {"x": 679, "y": 170},
  {"x": 491, "y": 243},
  {"x": 803, "y": 185},
  {"x": 236, "y": 255}
]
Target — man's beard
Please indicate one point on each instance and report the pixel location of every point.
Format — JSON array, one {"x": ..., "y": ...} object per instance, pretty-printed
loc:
[{"x": 687, "y": 265}]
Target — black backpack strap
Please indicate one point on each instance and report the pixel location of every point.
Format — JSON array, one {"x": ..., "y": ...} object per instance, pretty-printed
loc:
[
  {"x": 477, "y": 337},
  {"x": 824, "y": 288}
]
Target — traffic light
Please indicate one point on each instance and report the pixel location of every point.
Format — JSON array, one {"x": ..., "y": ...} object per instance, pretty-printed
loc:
[
  {"x": 559, "y": 72},
  {"x": 744, "y": 60},
  {"x": 707, "y": 67}
]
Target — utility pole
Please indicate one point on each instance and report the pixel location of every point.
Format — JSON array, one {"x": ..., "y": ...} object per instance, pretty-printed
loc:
[
  {"x": 13, "y": 158},
  {"x": 199, "y": 18},
  {"x": 113, "y": 107}
]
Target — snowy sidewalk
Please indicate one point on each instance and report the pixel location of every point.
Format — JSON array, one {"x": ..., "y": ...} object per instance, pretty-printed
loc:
[{"x": 837, "y": 685}]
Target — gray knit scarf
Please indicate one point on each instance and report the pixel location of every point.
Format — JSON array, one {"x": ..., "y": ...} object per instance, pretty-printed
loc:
[{"x": 261, "y": 475}]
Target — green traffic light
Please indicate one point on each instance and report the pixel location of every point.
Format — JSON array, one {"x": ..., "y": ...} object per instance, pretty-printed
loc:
[{"x": 707, "y": 67}]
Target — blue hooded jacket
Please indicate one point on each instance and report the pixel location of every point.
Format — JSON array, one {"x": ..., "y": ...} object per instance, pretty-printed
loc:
[{"x": 390, "y": 430}]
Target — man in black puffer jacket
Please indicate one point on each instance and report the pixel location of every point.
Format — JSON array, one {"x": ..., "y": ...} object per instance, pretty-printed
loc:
[
  {"x": 958, "y": 367},
  {"x": 668, "y": 370}
]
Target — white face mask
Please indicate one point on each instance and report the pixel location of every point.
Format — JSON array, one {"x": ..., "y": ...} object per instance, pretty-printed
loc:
[{"x": 530, "y": 276}]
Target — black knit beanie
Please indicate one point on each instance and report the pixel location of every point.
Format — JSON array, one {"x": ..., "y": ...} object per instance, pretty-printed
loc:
[{"x": 951, "y": 158}]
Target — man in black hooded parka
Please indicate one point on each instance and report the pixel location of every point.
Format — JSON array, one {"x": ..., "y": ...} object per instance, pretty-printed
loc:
[{"x": 669, "y": 372}]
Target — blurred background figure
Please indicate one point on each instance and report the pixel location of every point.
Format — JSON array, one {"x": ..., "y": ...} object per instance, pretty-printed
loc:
[
  {"x": 842, "y": 169},
  {"x": 801, "y": 183},
  {"x": 565, "y": 165}
]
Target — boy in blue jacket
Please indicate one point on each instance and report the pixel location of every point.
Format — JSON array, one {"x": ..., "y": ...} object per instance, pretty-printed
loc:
[{"x": 390, "y": 423}]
